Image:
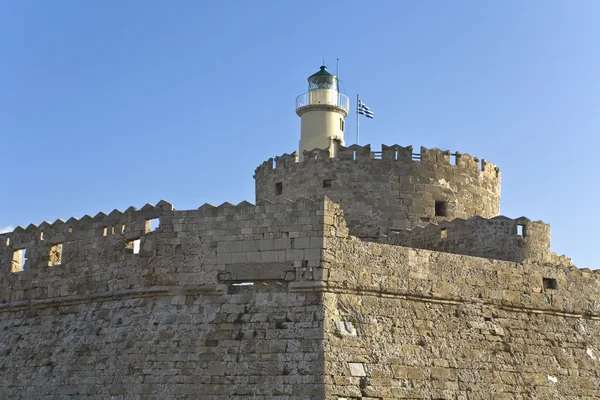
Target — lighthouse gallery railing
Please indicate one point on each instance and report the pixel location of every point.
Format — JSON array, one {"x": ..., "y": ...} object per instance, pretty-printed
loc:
[{"x": 323, "y": 97}]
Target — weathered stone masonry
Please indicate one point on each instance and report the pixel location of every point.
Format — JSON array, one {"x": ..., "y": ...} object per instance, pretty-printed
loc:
[
  {"x": 389, "y": 190},
  {"x": 423, "y": 324},
  {"x": 281, "y": 300},
  {"x": 168, "y": 322}
]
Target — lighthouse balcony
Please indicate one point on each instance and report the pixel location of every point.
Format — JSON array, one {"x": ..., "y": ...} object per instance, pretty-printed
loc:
[{"x": 322, "y": 97}]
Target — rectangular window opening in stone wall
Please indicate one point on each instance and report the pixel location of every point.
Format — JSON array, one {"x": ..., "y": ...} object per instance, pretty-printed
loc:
[
  {"x": 18, "y": 260},
  {"x": 55, "y": 255},
  {"x": 151, "y": 225},
  {"x": 521, "y": 230},
  {"x": 441, "y": 208},
  {"x": 444, "y": 233},
  {"x": 104, "y": 231},
  {"x": 327, "y": 183},
  {"x": 550, "y": 283},
  {"x": 133, "y": 246},
  {"x": 279, "y": 188}
]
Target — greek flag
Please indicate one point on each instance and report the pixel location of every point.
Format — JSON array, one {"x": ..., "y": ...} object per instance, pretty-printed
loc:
[{"x": 364, "y": 110}]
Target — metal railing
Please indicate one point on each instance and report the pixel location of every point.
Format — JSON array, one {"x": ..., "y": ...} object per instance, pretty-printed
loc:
[
  {"x": 332, "y": 99},
  {"x": 378, "y": 155}
]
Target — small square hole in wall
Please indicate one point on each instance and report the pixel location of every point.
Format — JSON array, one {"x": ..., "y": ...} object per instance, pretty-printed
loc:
[
  {"x": 521, "y": 230},
  {"x": 444, "y": 233},
  {"x": 278, "y": 188},
  {"x": 327, "y": 183},
  {"x": 441, "y": 208},
  {"x": 55, "y": 256},
  {"x": 104, "y": 231},
  {"x": 550, "y": 283},
  {"x": 18, "y": 260},
  {"x": 134, "y": 246},
  {"x": 70, "y": 229},
  {"x": 453, "y": 159},
  {"x": 152, "y": 225}
]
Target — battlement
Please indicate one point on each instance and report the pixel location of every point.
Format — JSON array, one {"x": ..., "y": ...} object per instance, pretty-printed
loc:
[
  {"x": 271, "y": 241},
  {"x": 499, "y": 238},
  {"x": 395, "y": 153},
  {"x": 207, "y": 246},
  {"x": 393, "y": 188},
  {"x": 132, "y": 222}
]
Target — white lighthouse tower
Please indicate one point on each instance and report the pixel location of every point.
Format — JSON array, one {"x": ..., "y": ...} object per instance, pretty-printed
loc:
[{"x": 322, "y": 109}]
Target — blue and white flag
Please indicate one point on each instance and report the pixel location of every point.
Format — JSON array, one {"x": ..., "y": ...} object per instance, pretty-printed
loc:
[{"x": 364, "y": 110}]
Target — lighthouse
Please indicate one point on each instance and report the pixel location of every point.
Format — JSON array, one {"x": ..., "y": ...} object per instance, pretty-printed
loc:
[{"x": 323, "y": 110}]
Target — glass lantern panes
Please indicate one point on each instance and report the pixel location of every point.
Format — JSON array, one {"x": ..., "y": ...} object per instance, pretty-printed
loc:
[{"x": 322, "y": 80}]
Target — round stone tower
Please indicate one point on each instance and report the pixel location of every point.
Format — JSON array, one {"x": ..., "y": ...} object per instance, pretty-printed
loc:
[
  {"x": 323, "y": 110},
  {"x": 379, "y": 191}
]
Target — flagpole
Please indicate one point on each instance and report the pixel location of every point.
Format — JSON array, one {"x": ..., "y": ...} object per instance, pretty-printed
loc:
[{"x": 357, "y": 121}]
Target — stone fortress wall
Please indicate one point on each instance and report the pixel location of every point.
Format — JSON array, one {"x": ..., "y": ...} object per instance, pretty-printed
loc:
[
  {"x": 387, "y": 190},
  {"x": 499, "y": 238},
  {"x": 211, "y": 240},
  {"x": 280, "y": 301},
  {"x": 405, "y": 323},
  {"x": 179, "y": 319}
]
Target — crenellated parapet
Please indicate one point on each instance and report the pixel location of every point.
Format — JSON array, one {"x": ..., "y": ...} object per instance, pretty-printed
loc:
[
  {"x": 286, "y": 159},
  {"x": 157, "y": 245},
  {"x": 499, "y": 238},
  {"x": 273, "y": 241},
  {"x": 30, "y": 247},
  {"x": 393, "y": 188},
  {"x": 399, "y": 154}
]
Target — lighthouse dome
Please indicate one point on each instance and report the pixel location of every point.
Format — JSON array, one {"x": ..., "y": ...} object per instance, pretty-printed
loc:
[{"x": 323, "y": 80}]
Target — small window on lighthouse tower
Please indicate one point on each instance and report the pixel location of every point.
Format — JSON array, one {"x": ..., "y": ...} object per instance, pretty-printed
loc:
[{"x": 342, "y": 124}]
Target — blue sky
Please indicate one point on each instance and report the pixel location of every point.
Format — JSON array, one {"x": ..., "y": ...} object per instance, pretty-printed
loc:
[{"x": 109, "y": 104}]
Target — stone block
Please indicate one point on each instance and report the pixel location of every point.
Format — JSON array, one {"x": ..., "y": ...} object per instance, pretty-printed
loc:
[
  {"x": 239, "y": 258},
  {"x": 312, "y": 254},
  {"x": 266, "y": 244},
  {"x": 237, "y": 246},
  {"x": 250, "y": 245},
  {"x": 224, "y": 258},
  {"x": 293, "y": 255},
  {"x": 357, "y": 369},
  {"x": 269, "y": 256},
  {"x": 254, "y": 256},
  {"x": 302, "y": 243}
]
